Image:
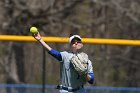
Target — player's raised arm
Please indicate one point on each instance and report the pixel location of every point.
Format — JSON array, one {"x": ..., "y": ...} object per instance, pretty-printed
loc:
[{"x": 38, "y": 37}]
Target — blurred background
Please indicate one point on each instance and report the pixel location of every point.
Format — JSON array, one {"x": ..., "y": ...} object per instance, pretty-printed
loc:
[{"x": 114, "y": 65}]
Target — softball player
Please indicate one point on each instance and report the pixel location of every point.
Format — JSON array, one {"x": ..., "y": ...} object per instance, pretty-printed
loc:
[{"x": 70, "y": 80}]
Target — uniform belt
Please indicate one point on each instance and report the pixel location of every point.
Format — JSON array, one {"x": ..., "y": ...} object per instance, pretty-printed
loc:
[{"x": 69, "y": 89}]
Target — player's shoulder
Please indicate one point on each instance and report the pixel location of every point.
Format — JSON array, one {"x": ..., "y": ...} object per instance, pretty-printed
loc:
[{"x": 65, "y": 53}]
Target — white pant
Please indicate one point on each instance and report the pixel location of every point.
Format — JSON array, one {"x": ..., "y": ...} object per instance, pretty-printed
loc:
[{"x": 81, "y": 90}]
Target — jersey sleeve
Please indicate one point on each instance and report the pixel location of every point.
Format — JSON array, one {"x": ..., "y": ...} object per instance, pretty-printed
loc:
[
  {"x": 90, "y": 72},
  {"x": 56, "y": 54},
  {"x": 90, "y": 68}
]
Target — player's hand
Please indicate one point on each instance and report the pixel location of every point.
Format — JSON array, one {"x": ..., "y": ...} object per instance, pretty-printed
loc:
[{"x": 37, "y": 36}]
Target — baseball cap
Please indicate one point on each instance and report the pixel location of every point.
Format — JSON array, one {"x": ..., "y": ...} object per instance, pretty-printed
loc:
[{"x": 74, "y": 37}]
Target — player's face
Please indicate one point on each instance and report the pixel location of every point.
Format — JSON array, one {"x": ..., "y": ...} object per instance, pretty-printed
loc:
[{"x": 76, "y": 45}]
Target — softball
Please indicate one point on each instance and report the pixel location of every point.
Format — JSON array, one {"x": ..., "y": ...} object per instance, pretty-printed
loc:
[{"x": 33, "y": 30}]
